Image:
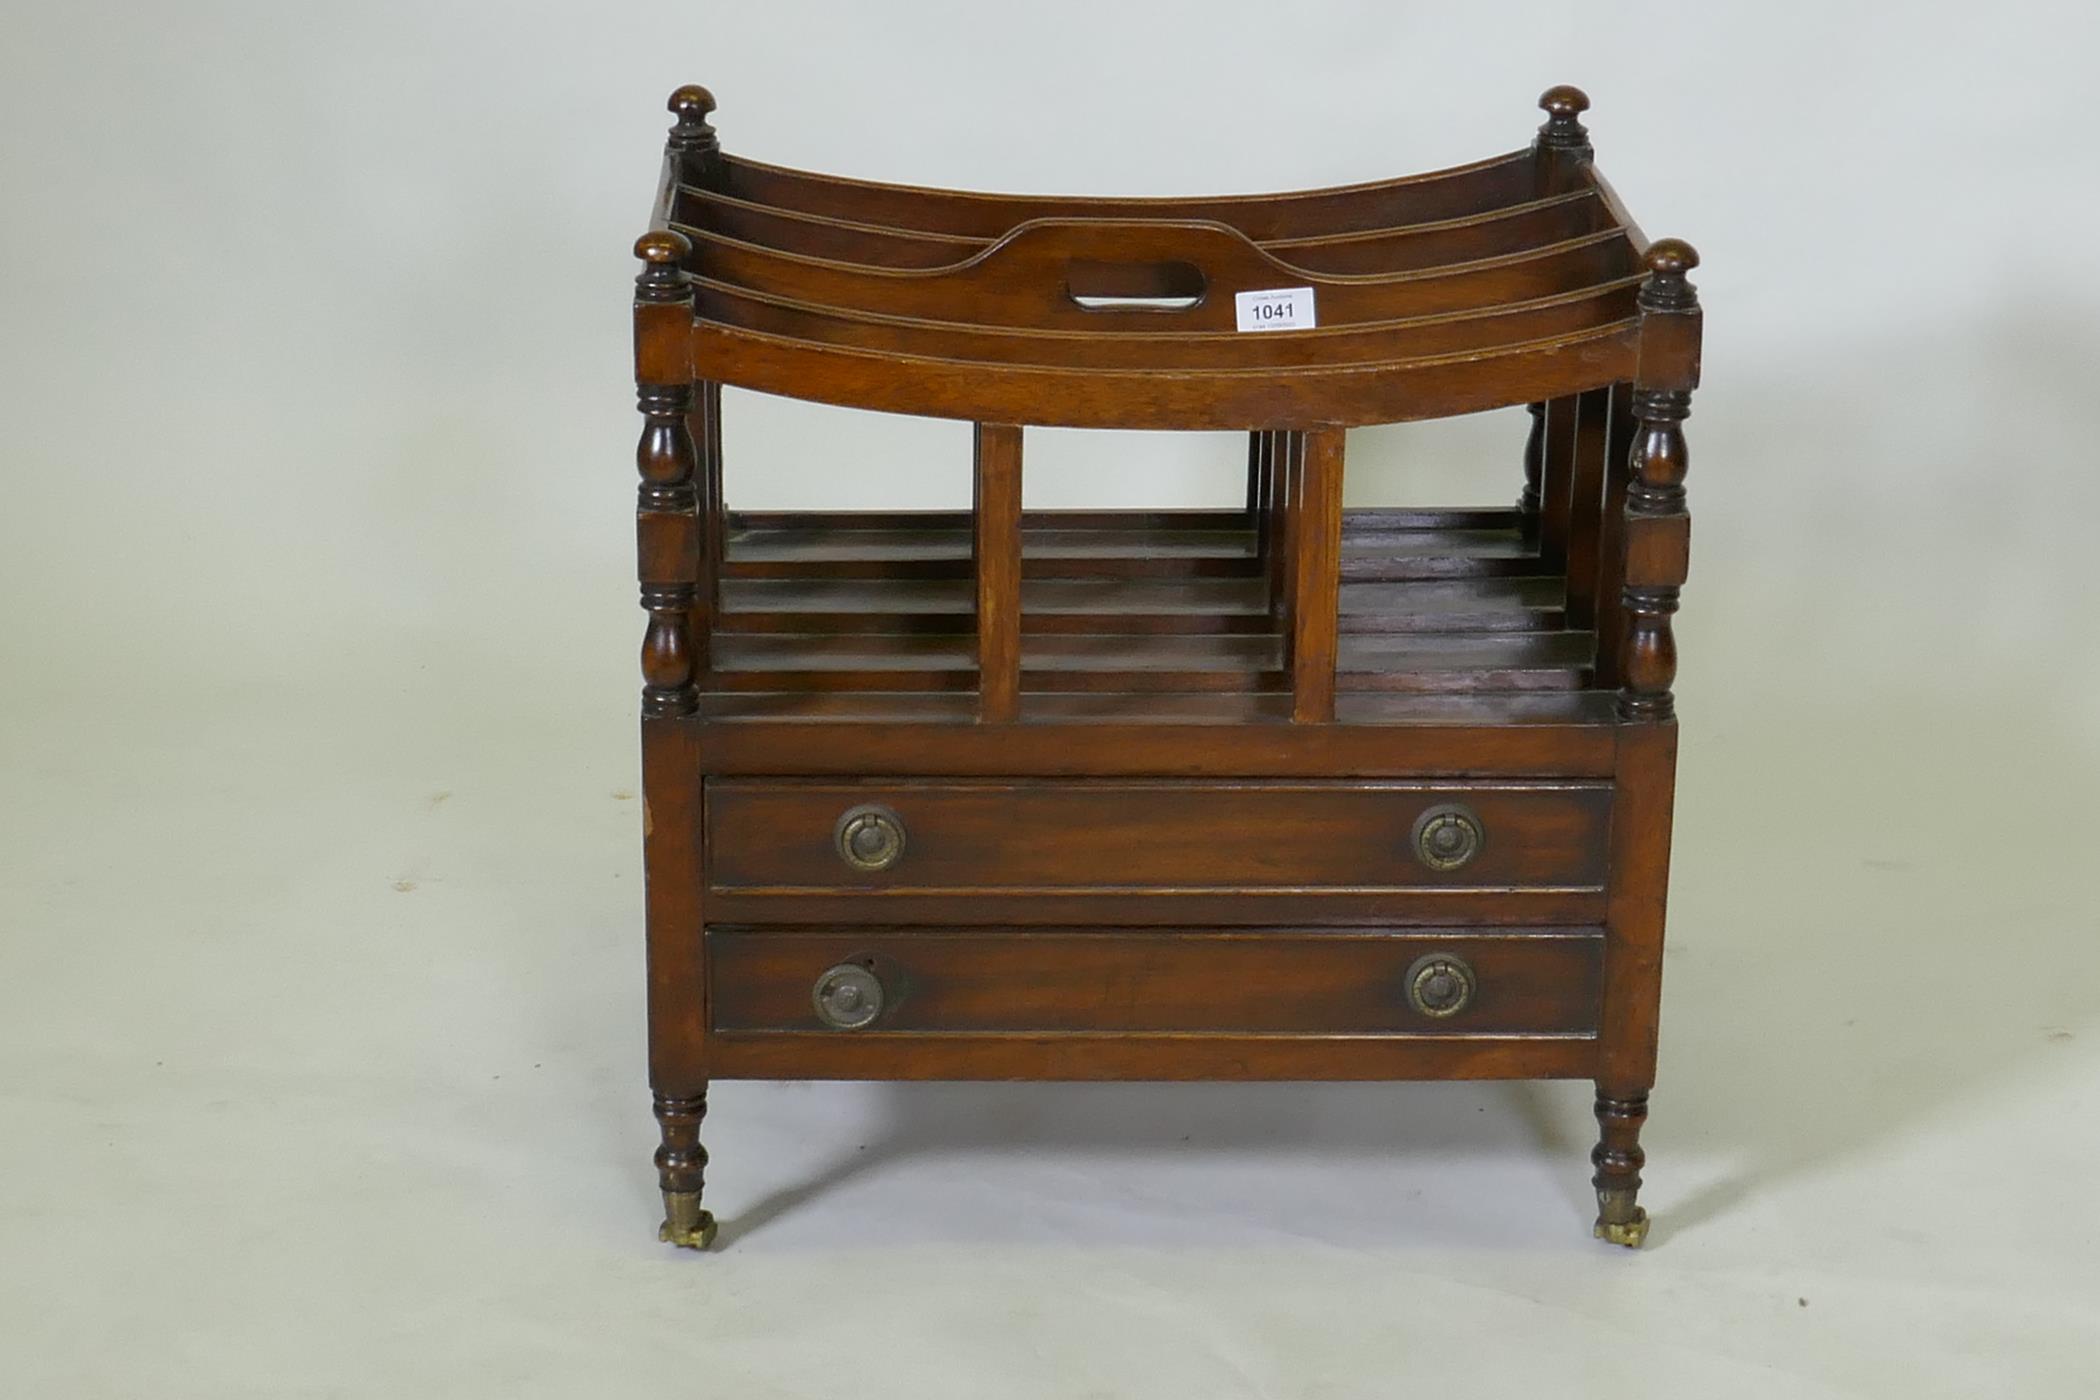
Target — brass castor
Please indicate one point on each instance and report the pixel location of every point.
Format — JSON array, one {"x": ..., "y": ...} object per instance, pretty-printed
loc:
[
  {"x": 685, "y": 1224},
  {"x": 1629, "y": 1233}
]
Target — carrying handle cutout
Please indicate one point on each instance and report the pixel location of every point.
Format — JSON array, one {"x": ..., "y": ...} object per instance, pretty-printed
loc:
[{"x": 1168, "y": 285}]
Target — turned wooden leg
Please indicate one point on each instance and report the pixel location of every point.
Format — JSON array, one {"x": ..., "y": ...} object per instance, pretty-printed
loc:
[
  {"x": 1618, "y": 1160},
  {"x": 680, "y": 1165}
]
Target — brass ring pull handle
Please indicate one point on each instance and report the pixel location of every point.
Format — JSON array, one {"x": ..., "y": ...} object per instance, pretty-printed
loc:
[
  {"x": 869, "y": 838},
  {"x": 1440, "y": 985},
  {"x": 847, "y": 997},
  {"x": 1447, "y": 836}
]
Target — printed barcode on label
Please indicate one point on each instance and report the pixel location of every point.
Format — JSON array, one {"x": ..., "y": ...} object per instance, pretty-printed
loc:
[{"x": 1279, "y": 309}]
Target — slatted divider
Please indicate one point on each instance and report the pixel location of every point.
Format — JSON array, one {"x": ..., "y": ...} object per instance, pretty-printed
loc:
[
  {"x": 1586, "y": 505},
  {"x": 1432, "y": 602},
  {"x": 1611, "y": 571},
  {"x": 996, "y": 511},
  {"x": 1316, "y": 550},
  {"x": 1556, "y": 480}
]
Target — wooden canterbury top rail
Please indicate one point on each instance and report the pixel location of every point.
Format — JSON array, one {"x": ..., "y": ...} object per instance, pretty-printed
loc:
[
  {"x": 1510, "y": 280},
  {"x": 1442, "y": 194},
  {"x": 1516, "y": 228},
  {"x": 1518, "y": 280}
]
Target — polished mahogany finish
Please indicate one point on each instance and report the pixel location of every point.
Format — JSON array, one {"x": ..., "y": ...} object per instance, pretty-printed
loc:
[
  {"x": 1283, "y": 790},
  {"x": 1164, "y": 981},
  {"x": 1028, "y": 837}
]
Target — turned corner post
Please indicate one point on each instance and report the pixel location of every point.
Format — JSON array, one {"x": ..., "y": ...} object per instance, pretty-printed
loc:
[
  {"x": 1653, "y": 553},
  {"x": 1657, "y": 528},
  {"x": 1563, "y": 142},
  {"x": 667, "y": 525}
]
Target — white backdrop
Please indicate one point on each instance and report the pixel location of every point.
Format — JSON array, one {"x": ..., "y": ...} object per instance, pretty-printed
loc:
[{"x": 319, "y": 928}]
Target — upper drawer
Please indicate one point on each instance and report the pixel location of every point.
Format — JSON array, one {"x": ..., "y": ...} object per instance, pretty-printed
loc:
[{"x": 1078, "y": 836}]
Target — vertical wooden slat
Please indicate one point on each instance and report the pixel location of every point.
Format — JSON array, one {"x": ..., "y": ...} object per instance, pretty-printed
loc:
[
  {"x": 1534, "y": 462},
  {"x": 997, "y": 548},
  {"x": 1290, "y": 489},
  {"x": 715, "y": 507},
  {"x": 1293, "y": 449},
  {"x": 1586, "y": 510},
  {"x": 1316, "y": 568},
  {"x": 1253, "y": 477},
  {"x": 1259, "y": 491},
  {"x": 1556, "y": 472},
  {"x": 702, "y": 422},
  {"x": 1277, "y": 450},
  {"x": 1611, "y": 546}
]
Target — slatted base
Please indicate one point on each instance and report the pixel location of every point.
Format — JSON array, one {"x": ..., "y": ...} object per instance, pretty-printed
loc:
[{"x": 1432, "y": 602}]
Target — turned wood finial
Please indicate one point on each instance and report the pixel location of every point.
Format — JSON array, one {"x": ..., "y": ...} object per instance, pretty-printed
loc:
[
  {"x": 1668, "y": 260},
  {"x": 662, "y": 277},
  {"x": 693, "y": 135},
  {"x": 1563, "y": 128}
]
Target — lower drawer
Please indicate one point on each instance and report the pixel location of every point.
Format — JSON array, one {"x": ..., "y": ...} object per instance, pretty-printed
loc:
[{"x": 879, "y": 983}]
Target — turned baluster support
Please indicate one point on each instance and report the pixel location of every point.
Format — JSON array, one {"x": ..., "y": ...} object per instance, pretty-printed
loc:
[
  {"x": 681, "y": 1170},
  {"x": 666, "y": 506},
  {"x": 1657, "y": 528}
]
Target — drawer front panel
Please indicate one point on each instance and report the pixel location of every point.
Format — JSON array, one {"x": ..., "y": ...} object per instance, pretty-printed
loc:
[
  {"x": 1262, "y": 982},
  {"x": 1196, "y": 837}
]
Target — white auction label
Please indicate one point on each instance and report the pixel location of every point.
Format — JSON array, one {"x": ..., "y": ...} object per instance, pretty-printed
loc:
[{"x": 1279, "y": 309}]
